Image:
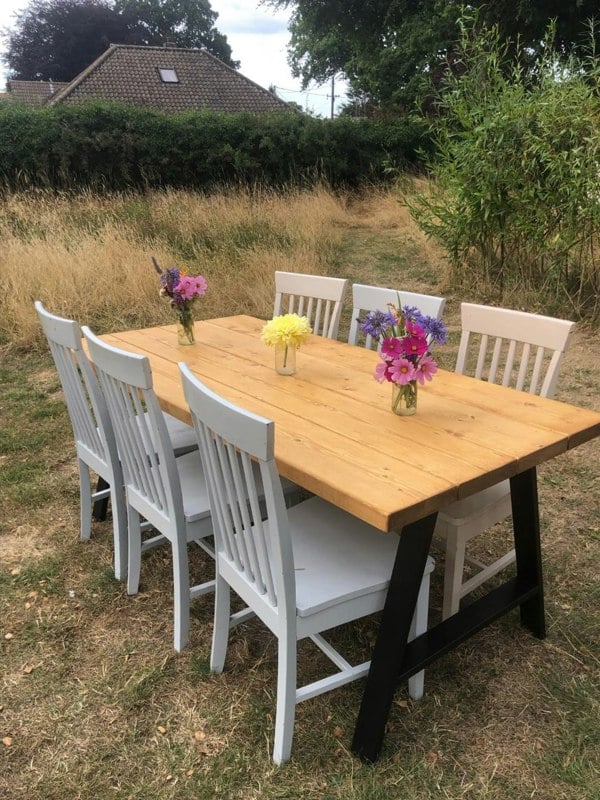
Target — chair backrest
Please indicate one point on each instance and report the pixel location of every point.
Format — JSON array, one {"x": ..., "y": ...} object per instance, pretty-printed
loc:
[
  {"x": 370, "y": 298},
  {"x": 93, "y": 432},
  {"x": 514, "y": 348},
  {"x": 149, "y": 470},
  {"x": 255, "y": 544},
  {"x": 317, "y": 297}
]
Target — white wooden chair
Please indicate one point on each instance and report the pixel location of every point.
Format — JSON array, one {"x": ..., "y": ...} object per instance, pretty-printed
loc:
[
  {"x": 317, "y": 297},
  {"x": 512, "y": 348},
  {"x": 370, "y": 298},
  {"x": 92, "y": 430},
  {"x": 169, "y": 493},
  {"x": 301, "y": 571}
]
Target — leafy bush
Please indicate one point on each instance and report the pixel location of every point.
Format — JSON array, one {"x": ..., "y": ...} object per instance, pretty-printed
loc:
[
  {"x": 113, "y": 148},
  {"x": 517, "y": 170}
]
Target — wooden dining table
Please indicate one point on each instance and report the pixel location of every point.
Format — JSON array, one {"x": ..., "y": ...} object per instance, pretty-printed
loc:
[{"x": 336, "y": 436}]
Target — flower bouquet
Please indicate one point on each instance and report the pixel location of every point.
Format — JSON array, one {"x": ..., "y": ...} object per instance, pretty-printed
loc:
[
  {"x": 406, "y": 336},
  {"x": 182, "y": 290},
  {"x": 286, "y": 333}
]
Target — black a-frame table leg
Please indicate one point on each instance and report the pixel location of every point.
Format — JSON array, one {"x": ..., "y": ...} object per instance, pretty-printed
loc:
[
  {"x": 526, "y": 526},
  {"x": 389, "y": 650},
  {"x": 100, "y": 507},
  {"x": 394, "y": 659}
]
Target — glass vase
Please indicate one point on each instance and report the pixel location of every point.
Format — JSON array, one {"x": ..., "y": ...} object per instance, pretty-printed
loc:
[
  {"x": 404, "y": 398},
  {"x": 185, "y": 327},
  {"x": 285, "y": 359}
]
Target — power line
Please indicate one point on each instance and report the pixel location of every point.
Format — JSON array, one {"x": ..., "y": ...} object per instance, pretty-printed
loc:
[{"x": 303, "y": 91}]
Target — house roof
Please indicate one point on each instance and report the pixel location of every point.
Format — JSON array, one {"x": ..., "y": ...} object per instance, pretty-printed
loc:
[
  {"x": 130, "y": 74},
  {"x": 33, "y": 93}
]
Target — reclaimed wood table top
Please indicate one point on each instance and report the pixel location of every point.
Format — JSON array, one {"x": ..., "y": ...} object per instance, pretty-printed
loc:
[{"x": 335, "y": 433}]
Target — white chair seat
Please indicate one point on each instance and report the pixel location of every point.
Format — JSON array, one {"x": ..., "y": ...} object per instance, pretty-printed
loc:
[
  {"x": 194, "y": 491},
  {"x": 181, "y": 435},
  {"x": 328, "y": 541},
  {"x": 463, "y": 510}
]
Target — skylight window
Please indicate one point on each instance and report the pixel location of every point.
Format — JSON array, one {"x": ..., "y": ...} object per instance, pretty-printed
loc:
[{"x": 168, "y": 75}]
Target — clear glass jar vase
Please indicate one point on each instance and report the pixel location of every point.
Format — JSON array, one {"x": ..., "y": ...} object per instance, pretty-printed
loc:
[
  {"x": 185, "y": 326},
  {"x": 285, "y": 359},
  {"x": 404, "y": 398}
]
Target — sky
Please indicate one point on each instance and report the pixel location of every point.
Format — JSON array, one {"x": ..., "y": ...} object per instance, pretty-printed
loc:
[{"x": 258, "y": 37}]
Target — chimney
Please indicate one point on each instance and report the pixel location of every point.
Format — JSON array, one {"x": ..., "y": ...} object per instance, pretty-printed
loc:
[{"x": 169, "y": 43}]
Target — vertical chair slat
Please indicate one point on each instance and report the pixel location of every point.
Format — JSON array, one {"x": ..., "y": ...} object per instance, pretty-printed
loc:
[
  {"x": 522, "y": 376},
  {"x": 482, "y": 356},
  {"x": 509, "y": 364},
  {"x": 495, "y": 360},
  {"x": 537, "y": 370}
]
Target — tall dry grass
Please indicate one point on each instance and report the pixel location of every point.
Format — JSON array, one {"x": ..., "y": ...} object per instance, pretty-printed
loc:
[{"x": 89, "y": 257}]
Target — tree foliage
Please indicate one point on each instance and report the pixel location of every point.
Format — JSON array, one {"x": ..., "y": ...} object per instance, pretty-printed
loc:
[
  {"x": 390, "y": 50},
  {"x": 188, "y": 23},
  {"x": 57, "y": 39},
  {"x": 516, "y": 203}
]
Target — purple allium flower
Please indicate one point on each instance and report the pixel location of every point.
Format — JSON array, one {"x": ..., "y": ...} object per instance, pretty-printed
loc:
[
  {"x": 412, "y": 313},
  {"x": 436, "y": 330},
  {"x": 376, "y": 323},
  {"x": 169, "y": 278}
]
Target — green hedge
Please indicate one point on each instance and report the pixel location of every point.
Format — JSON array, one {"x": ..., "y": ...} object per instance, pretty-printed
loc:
[{"x": 113, "y": 147}]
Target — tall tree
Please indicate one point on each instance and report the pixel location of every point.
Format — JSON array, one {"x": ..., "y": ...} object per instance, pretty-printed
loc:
[
  {"x": 187, "y": 23},
  {"x": 57, "y": 39},
  {"x": 390, "y": 50}
]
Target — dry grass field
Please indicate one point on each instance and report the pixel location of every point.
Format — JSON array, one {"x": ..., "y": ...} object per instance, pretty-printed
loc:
[{"x": 94, "y": 703}]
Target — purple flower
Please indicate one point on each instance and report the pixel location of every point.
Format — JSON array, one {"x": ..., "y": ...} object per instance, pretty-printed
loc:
[
  {"x": 376, "y": 323},
  {"x": 169, "y": 278},
  {"x": 435, "y": 329}
]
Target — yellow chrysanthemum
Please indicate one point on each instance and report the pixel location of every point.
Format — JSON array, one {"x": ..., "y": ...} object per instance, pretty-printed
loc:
[{"x": 287, "y": 330}]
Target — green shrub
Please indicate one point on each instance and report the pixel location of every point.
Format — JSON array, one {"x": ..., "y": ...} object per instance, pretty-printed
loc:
[
  {"x": 517, "y": 172},
  {"x": 109, "y": 147}
]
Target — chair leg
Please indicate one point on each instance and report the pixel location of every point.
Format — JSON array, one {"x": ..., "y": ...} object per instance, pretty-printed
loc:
[
  {"x": 221, "y": 625},
  {"x": 181, "y": 594},
  {"x": 416, "y": 684},
  {"x": 85, "y": 502},
  {"x": 453, "y": 572},
  {"x": 286, "y": 698},
  {"x": 134, "y": 550},
  {"x": 120, "y": 535}
]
